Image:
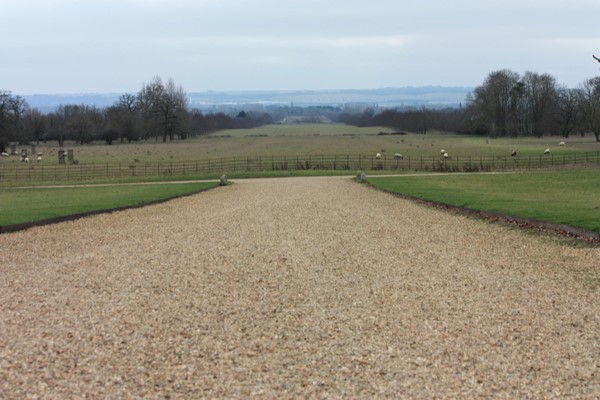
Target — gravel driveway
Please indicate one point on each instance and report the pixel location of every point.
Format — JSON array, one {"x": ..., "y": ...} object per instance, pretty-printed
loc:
[{"x": 296, "y": 287}]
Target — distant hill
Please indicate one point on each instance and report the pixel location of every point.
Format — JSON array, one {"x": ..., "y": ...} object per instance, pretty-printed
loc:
[
  {"x": 50, "y": 102},
  {"x": 430, "y": 96}
]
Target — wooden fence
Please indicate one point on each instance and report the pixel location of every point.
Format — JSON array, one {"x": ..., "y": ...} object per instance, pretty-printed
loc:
[{"x": 36, "y": 172}]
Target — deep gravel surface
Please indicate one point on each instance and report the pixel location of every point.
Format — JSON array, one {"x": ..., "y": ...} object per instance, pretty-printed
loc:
[{"x": 296, "y": 287}]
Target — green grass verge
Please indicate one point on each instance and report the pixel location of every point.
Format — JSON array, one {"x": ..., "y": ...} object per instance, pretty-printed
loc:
[
  {"x": 19, "y": 206},
  {"x": 570, "y": 197}
]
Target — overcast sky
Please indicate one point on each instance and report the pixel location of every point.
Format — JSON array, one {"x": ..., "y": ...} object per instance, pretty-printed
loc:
[{"x": 114, "y": 46}]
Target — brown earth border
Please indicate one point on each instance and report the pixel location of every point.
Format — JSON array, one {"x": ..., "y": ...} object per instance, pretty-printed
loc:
[{"x": 504, "y": 219}]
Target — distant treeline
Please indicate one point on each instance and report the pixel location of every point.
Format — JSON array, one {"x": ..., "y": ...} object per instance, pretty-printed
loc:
[
  {"x": 159, "y": 111},
  {"x": 505, "y": 104}
]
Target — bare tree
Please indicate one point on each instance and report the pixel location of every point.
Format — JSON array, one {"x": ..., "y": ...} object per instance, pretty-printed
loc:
[
  {"x": 492, "y": 101},
  {"x": 35, "y": 124},
  {"x": 541, "y": 101},
  {"x": 567, "y": 115},
  {"x": 164, "y": 108},
  {"x": 149, "y": 100},
  {"x": 173, "y": 110},
  {"x": 12, "y": 110},
  {"x": 589, "y": 103},
  {"x": 122, "y": 119}
]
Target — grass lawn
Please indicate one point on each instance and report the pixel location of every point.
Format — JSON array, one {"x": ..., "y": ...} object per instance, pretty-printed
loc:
[
  {"x": 570, "y": 197},
  {"x": 26, "y": 205}
]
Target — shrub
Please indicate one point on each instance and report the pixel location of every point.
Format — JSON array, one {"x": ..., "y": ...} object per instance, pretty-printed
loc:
[
  {"x": 223, "y": 180},
  {"x": 361, "y": 177}
]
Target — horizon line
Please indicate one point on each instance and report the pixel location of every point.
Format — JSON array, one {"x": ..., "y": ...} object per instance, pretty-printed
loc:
[{"x": 208, "y": 91}]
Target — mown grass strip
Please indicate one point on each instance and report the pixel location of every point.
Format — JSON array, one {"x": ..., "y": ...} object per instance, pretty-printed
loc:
[
  {"x": 569, "y": 197},
  {"x": 18, "y": 206}
]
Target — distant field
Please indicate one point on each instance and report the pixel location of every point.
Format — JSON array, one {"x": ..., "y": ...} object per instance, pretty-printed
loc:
[
  {"x": 278, "y": 140},
  {"x": 570, "y": 197},
  {"x": 303, "y": 130},
  {"x": 26, "y": 205}
]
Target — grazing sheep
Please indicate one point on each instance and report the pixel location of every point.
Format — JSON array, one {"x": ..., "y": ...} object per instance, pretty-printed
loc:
[
  {"x": 514, "y": 153},
  {"x": 446, "y": 155},
  {"x": 378, "y": 155},
  {"x": 442, "y": 151},
  {"x": 398, "y": 156},
  {"x": 547, "y": 151},
  {"x": 39, "y": 158},
  {"x": 26, "y": 159},
  {"x": 4, "y": 154},
  {"x": 561, "y": 144},
  {"x": 39, "y": 153}
]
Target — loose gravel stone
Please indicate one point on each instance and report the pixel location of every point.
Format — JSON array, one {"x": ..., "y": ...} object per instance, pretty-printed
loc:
[{"x": 296, "y": 287}]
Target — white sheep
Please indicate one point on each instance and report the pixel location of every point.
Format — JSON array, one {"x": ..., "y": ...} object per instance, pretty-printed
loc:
[
  {"x": 547, "y": 151},
  {"x": 442, "y": 151},
  {"x": 446, "y": 155},
  {"x": 39, "y": 158},
  {"x": 39, "y": 153},
  {"x": 378, "y": 155},
  {"x": 561, "y": 144},
  {"x": 4, "y": 154},
  {"x": 398, "y": 156},
  {"x": 26, "y": 159}
]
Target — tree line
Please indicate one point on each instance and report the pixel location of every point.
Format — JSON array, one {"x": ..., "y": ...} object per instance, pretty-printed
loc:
[
  {"x": 505, "y": 104},
  {"x": 159, "y": 111}
]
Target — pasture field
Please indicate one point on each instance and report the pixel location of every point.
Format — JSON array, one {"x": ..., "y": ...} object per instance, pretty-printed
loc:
[
  {"x": 26, "y": 205},
  {"x": 318, "y": 139},
  {"x": 570, "y": 197}
]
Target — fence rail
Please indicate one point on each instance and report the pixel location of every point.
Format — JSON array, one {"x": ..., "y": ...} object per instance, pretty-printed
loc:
[{"x": 72, "y": 172}]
